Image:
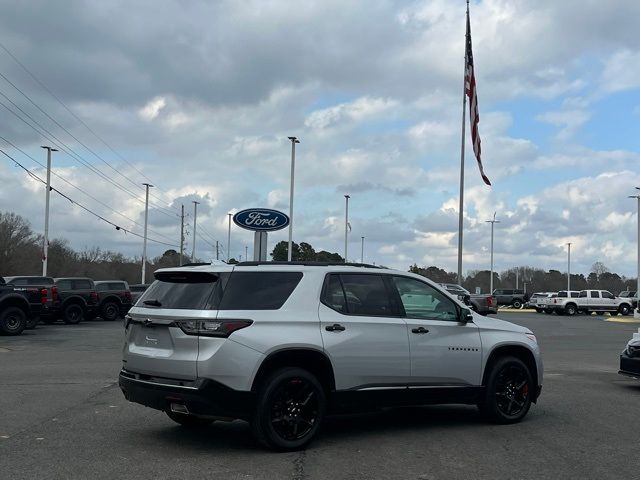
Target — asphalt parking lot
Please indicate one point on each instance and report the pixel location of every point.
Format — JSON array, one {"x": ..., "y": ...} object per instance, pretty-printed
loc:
[{"x": 64, "y": 417}]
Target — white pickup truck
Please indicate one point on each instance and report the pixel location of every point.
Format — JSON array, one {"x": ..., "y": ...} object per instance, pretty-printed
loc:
[
  {"x": 563, "y": 302},
  {"x": 600, "y": 301}
]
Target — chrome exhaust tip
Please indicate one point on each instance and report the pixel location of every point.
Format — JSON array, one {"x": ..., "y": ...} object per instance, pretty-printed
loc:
[{"x": 179, "y": 408}]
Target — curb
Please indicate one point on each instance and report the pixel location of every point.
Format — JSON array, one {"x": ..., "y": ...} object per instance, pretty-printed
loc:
[
  {"x": 622, "y": 320},
  {"x": 516, "y": 310}
]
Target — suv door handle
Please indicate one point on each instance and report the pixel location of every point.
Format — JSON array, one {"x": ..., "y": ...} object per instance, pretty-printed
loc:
[
  {"x": 336, "y": 327},
  {"x": 419, "y": 330}
]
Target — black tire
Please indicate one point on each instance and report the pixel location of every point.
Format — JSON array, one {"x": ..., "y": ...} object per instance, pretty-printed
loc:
[
  {"x": 517, "y": 303},
  {"x": 547, "y": 311},
  {"x": 191, "y": 421},
  {"x": 599, "y": 313},
  {"x": 624, "y": 309},
  {"x": 73, "y": 314},
  {"x": 571, "y": 309},
  {"x": 508, "y": 391},
  {"x": 110, "y": 311},
  {"x": 13, "y": 320},
  {"x": 289, "y": 399},
  {"x": 539, "y": 310}
]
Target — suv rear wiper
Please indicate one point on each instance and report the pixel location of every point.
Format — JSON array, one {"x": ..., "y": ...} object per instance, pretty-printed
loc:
[{"x": 152, "y": 303}]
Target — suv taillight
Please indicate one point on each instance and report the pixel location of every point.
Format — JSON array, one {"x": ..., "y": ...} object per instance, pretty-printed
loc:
[
  {"x": 44, "y": 293},
  {"x": 489, "y": 301},
  {"x": 54, "y": 293},
  {"x": 212, "y": 328},
  {"x": 93, "y": 296}
]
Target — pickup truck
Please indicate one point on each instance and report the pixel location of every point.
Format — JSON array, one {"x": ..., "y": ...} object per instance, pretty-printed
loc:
[
  {"x": 564, "y": 302},
  {"x": 538, "y": 301},
  {"x": 14, "y": 310},
  {"x": 114, "y": 299},
  {"x": 506, "y": 296},
  {"x": 483, "y": 304},
  {"x": 601, "y": 301},
  {"x": 631, "y": 295},
  {"x": 77, "y": 300},
  {"x": 40, "y": 292}
]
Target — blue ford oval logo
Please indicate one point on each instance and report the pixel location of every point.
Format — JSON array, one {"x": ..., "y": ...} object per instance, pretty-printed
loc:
[{"x": 261, "y": 219}]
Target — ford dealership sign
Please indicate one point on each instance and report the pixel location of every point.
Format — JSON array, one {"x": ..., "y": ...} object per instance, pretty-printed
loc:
[{"x": 261, "y": 219}]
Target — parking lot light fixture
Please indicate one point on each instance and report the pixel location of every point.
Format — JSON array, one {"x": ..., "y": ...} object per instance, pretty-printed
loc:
[
  {"x": 492, "y": 222},
  {"x": 346, "y": 226},
  {"x": 637, "y": 311}
]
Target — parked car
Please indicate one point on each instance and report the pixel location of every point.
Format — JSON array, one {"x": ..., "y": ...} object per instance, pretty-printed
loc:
[
  {"x": 483, "y": 304},
  {"x": 631, "y": 295},
  {"x": 630, "y": 357},
  {"x": 563, "y": 302},
  {"x": 14, "y": 310},
  {"x": 114, "y": 298},
  {"x": 534, "y": 300},
  {"x": 282, "y": 345},
  {"x": 507, "y": 296},
  {"x": 136, "y": 291},
  {"x": 40, "y": 292},
  {"x": 601, "y": 301},
  {"x": 77, "y": 300}
]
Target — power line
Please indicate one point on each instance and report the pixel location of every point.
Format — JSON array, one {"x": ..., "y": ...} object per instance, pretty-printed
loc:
[
  {"x": 68, "y": 149},
  {"x": 39, "y": 82},
  {"x": 117, "y": 227},
  {"x": 81, "y": 190}
]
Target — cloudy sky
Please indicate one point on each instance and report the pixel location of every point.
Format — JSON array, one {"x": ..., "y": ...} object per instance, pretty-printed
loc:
[{"x": 199, "y": 98}]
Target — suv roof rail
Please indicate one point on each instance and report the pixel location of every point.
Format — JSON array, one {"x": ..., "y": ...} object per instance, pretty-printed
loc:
[{"x": 309, "y": 264}]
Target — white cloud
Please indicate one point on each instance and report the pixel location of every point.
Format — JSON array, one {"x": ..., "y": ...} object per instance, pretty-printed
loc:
[
  {"x": 152, "y": 109},
  {"x": 359, "y": 110}
]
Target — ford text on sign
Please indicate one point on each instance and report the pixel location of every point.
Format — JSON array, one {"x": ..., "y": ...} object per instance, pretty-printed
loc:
[{"x": 261, "y": 219}]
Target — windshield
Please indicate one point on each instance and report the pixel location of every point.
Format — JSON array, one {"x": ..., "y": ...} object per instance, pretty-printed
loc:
[{"x": 182, "y": 291}]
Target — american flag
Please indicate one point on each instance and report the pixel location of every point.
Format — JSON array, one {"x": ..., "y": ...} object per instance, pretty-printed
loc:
[{"x": 470, "y": 90}]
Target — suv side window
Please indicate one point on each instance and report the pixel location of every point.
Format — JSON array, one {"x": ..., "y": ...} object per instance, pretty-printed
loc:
[
  {"x": 583, "y": 294},
  {"x": 595, "y": 294},
  {"x": 607, "y": 295},
  {"x": 421, "y": 300},
  {"x": 574, "y": 294},
  {"x": 82, "y": 284},
  {"x": 333, "y": 295},
  {"x": 102, "y": 287},
  {"x": 258, "y": 290},
  {"x": 366, "y": 294}
]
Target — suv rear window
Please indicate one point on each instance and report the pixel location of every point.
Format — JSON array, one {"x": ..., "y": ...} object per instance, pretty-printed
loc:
[
  {"x": 258, "y": 290},
  {"x": 183, "y": 291}
]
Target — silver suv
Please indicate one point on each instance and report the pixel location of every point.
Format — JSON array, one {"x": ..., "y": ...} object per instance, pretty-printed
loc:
[{"x": 282, "y": 345}]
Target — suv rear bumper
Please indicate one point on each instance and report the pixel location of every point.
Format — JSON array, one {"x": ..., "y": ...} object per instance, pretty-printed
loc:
[{"x": 201, "y": 397}]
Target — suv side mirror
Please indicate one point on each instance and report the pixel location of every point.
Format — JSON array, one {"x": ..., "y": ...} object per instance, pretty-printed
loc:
[{"x": 465, "y": 315}]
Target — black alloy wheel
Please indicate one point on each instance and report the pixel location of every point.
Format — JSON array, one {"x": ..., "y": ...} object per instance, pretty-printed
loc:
[
  {"x": 517, "y": 304},
  {"x": 509, "y": 391},
  {"x": 13, "y": 321},
  {"x": 290, "y": 409},
  {"x": 624, "y": 310},
  {"x": 73, "y": 314},
  {"x": 570, "y": 309},
  {"x": 109, "y": 311}
]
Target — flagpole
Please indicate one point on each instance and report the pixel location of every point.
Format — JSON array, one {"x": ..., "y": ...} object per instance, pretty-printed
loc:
[{"x": 461, "y": 207}]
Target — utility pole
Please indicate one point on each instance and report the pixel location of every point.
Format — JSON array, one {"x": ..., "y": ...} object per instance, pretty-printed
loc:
[
  {"x": 217, "y": 251},
  {"x": 517, "y": 277},
  {"x": 362, "y": 250},
  {"x": 346, "y": 226},
  {"x": 229, "y": 240},
  {"x": 637, "y": 312},
  {"x": 45, "y": 245},
  {"x": 146, "y": 222},
  {"x": 181, "y": 234},
  {"x": 492, "y": 222},
  {"x": 568, "y": 267},
  {"x": 246, "y": 253},
  {"x": 195, "y": 218},
  {"x": 294, "y": 140}
]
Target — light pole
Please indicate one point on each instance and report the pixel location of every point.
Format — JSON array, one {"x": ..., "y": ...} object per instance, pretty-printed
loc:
[
  {"x": 181, "y": 233},
  {"x": 568, "y": 268},
  {"x": 229, "y": 240},
  {"x": 346, "y": 225},
  {"x": 195, "y": 219},
  {"x": 492, "y": 222},
  {"x": 146, "y": 222},
  {"x": 294, "y": 140},
  {"x": 246, "y": 253},
  {"x": 637, "y": 312},
  {"x": 362, "y": 250},
  {"x": 45, "y": 245}
]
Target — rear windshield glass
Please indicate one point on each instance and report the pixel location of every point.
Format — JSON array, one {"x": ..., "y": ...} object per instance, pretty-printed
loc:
[
  {"x": 258, "y": 290},
  {"x": 192, "y": 291}
]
